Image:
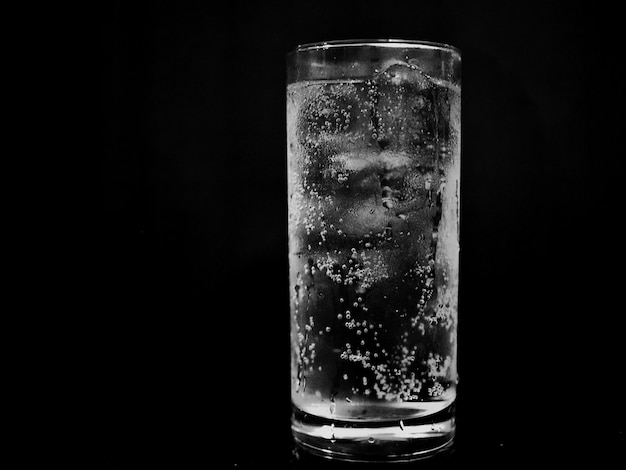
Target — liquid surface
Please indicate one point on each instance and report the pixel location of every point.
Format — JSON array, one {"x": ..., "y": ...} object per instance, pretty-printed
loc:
[{"x": 373, "y": 174}]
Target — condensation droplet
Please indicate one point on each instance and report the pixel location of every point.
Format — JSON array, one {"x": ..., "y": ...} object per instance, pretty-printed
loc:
[{"x": 371, "y": 440}]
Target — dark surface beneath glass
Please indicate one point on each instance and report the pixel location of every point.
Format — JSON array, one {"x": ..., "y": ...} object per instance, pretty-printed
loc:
[
  {"x": 240, "y": 442},
  {"x": 496, "y": 451}
]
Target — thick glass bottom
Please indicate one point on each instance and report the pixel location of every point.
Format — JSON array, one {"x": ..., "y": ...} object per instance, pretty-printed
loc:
[{"x": 375, "y": 441}]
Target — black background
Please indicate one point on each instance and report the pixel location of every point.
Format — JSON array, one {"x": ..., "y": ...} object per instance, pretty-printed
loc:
[{"x": 190, "y": 296}]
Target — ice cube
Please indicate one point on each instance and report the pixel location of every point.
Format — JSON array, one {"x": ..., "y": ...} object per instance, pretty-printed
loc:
[
  {"x": 333, "y": 118},
  {"x": 402, "y": 73},
  {"x": 338, "y": 113},
  {"x": 367, "y": 217},
  {"x": 405, "y": 111}
]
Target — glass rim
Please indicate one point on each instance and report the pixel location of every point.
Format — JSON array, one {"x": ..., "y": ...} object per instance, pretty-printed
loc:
[{"x": 383, "y": 43}]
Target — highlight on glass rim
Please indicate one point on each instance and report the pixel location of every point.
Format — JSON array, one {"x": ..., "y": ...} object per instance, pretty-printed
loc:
[{"x": 373, "y": 149}]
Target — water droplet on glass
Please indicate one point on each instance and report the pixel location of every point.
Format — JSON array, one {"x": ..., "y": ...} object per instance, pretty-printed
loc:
[
  {"x": 401, "y": 425},
  {"x": 371, "y": 440}
]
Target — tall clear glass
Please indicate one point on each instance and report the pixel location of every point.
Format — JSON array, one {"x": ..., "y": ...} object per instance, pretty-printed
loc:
[{"x": 373, "y": 145}]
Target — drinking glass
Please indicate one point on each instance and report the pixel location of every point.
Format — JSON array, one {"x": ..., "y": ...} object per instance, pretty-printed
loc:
[{"x": 373, "y": 150}]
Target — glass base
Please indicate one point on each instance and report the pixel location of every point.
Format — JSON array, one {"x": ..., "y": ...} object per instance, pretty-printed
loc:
[{"x": 374, "y": 441}]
